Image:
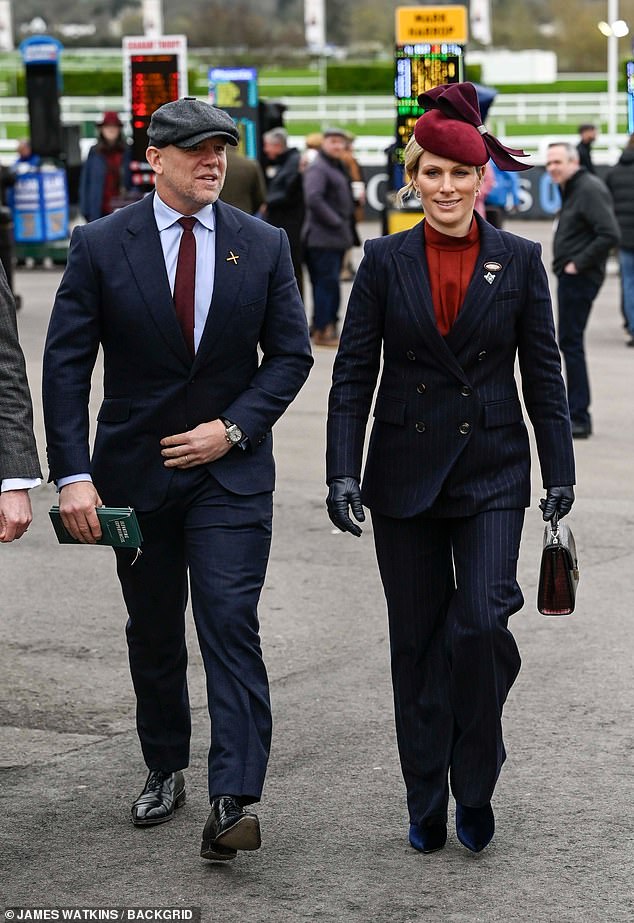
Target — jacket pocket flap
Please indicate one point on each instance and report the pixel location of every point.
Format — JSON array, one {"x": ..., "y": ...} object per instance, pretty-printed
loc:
[
  {"x": 114, "y": 410},
  {"x": 390, "y": 409},
  {"x": 502, "y": 413}
]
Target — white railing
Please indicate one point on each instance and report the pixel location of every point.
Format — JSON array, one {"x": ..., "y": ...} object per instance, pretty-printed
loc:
[
  {"x": 565, "y": 109},
  {"x": 555, "y": 108}
]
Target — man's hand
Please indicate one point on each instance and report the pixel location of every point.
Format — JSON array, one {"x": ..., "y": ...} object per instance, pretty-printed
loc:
[
  {"x": 344, "y": 493},
  {"x": 77, "y": 502},
  {"x": 15, "y": 514},
  {"x": 570, "y": 269},
  {"x": 205, "y": 443},
  {"x": 558, "y": 501}
]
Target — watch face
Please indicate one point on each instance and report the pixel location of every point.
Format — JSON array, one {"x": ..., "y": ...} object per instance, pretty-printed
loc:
[{"x": 234, "y": 433}]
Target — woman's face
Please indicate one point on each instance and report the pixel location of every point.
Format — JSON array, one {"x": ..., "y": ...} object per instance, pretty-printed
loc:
[
  {"x": 110, "y": 133},
  {"x": 447, "y": 193}
]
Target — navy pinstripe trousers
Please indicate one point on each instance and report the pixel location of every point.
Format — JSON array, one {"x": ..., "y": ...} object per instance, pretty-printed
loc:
[{"x": 450, "y": 585}]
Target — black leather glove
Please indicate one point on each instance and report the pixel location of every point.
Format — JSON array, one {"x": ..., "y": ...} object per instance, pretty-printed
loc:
[
  {"x": 344, "y": 493},
  {"x": 558, "y": 501}
]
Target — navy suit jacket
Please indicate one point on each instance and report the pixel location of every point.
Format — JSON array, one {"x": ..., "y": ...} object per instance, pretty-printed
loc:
[
  {"x": 448, "y": 434},
  {"x": 252, "y": 360}
]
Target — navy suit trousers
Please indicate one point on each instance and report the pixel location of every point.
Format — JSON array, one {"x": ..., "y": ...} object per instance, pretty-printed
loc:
[
  {"x": 222, "y": 540},
  {"x": 324, "y": 268},
  {"x": 450, "y": 586},
  {"x": 575, "y": 295}
]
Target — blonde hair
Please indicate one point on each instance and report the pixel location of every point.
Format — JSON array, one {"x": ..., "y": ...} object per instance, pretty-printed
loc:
[{"x": 411, "y": 156}]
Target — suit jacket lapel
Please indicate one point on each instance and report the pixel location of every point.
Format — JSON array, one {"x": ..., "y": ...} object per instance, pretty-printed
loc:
[
  {"x": 231, "y": 266},
  {"x": 142, "y": 247},
  {"x": 482, "y": 288},
  {"x": 411, "y": 268}
]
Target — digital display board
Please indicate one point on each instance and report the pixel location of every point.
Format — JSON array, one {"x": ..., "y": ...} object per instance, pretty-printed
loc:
[
  {"x": 629, "y": 77},
  {"x": 419, "y": 68},
  {"x": 235, "y": 89},
  {"x": 154, "y": 81}
]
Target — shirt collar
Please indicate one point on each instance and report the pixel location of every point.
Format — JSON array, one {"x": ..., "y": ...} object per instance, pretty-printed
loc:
[{"x": 165, "y": 216}]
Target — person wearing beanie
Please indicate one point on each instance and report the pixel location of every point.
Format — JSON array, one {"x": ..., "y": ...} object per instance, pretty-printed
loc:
[
  {"x": 105, "y": 174},
  {"x": 438, "y": 315}
]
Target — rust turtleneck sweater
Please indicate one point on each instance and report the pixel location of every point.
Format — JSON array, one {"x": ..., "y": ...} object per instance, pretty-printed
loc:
[{"x": 451, "y": 261}]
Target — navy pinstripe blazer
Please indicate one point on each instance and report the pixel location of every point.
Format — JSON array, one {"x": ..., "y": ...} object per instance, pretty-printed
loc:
[{"x": 448, "y": 434}]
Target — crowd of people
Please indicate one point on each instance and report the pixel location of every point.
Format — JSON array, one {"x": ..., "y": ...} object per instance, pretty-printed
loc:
[{"x": 196, "y": 305}]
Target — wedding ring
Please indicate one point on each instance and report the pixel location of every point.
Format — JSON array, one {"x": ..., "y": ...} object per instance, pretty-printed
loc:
[{"x": 187, "y": 459}]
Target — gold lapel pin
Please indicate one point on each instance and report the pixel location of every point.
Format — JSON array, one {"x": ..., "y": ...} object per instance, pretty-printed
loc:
[{"x": 233, "y": 256}]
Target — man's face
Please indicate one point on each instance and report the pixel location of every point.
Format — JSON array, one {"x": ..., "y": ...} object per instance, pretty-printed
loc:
[
  {"x": 272, "y": 149},
  {"x": 189, "y": 178},
  {"x": 333, "y": 145},
  {"x": 560, "y": 164}
]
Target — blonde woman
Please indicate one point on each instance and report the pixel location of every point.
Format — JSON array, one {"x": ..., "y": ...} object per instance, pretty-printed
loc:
[{"x": 448, "y": 306}]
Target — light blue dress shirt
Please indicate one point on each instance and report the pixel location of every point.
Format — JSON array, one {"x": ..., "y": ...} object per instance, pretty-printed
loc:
[{"x": 170, "y": 233}]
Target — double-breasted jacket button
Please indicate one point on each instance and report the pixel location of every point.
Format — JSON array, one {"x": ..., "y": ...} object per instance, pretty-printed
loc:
[
  {"x": 411, "y": 355},
  {"x": 421, "y": 388},
  {"x": 466, "y": 391},
  {"x": 465, "y": 428},
  {"x": 420, "y": 427},
  {"x": 482, "y": 355}
]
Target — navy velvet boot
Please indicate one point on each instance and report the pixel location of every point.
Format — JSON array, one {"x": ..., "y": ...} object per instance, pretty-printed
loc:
[
  {"x": 429, "y": 836},
  {"x": 475, "y": 826}
]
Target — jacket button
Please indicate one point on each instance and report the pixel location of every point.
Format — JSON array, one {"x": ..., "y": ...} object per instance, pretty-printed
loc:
[
  {"x": 421, "y": 388},
  {"x": 482, "y": 355},
  {"x": 420, "y": 427},
  {"x": 466, "y": 391},
  {"x": 465, "y": 428},
  {"x": 411, "y": 355}
]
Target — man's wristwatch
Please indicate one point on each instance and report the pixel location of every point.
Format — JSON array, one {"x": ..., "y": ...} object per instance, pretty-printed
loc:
[{"x": 233, "y": 433}]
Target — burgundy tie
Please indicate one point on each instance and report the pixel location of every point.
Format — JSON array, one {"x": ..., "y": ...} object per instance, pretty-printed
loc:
[{"x": 185, "y": 281}]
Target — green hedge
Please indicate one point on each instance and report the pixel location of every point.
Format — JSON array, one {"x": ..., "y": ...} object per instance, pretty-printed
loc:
[
  {"x": 361, "y": 79},
  {"x": 372, "y": 78}
]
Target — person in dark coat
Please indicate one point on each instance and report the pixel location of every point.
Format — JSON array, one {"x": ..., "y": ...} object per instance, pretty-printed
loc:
[
  {"x": 586, "y": 232},
  {"x": 587, "y": 134},
  {"x": 441, "y": 312},
  {"x": 19, "y": 462},
  {"x": 284, "y": 206},
  {"x": 327, "y": 232},
  {"x": 205, "y": 344},
  {"x": 106, "y": 173},
  {"x": 620, "y": 182}
]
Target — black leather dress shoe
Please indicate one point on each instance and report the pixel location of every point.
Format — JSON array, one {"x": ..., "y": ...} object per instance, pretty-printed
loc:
[
  {"x": 230, "y": 827},
  {"x": 162, "y": 794},
  {"x": 581, "y": 430},
  {"x": 428, "y": 837},
  {"x": 475, "y": 826}
]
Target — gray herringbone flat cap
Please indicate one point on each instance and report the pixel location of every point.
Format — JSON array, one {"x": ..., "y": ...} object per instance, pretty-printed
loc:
[{"x": 188, "y": 121}]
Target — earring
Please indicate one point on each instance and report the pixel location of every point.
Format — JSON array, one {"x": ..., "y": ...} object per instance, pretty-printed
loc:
[{"x": 416, "y": 192}]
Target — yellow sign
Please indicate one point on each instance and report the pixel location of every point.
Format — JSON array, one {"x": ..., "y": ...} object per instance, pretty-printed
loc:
[{"x": 416, "y": 24}]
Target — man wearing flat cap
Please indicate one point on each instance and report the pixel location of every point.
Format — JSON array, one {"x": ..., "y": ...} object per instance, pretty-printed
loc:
[{"x": 205, "y": 344}]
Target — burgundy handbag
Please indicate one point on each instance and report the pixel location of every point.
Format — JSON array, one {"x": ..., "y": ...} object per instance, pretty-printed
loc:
[{"x": 559, "y": 571}]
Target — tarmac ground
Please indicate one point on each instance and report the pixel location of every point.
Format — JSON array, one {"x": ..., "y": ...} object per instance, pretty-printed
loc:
[{"x": 333, "y": 814}]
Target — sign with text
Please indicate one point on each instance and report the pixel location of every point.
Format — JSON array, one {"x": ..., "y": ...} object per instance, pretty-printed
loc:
[
  {"x": 629, "y": 77},
  {"x": 155, "y": 72},
  {"x": 418, "y": 68},
  {"x": 235, "y": 89},
  {"x": 431, "y": 24}
]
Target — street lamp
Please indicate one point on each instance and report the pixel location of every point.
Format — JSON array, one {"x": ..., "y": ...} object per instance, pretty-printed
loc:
[{"x": 613, "y": 29}]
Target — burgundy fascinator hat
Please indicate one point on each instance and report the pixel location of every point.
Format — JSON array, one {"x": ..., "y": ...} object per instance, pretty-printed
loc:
[{"x": 452, "y": 127}]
